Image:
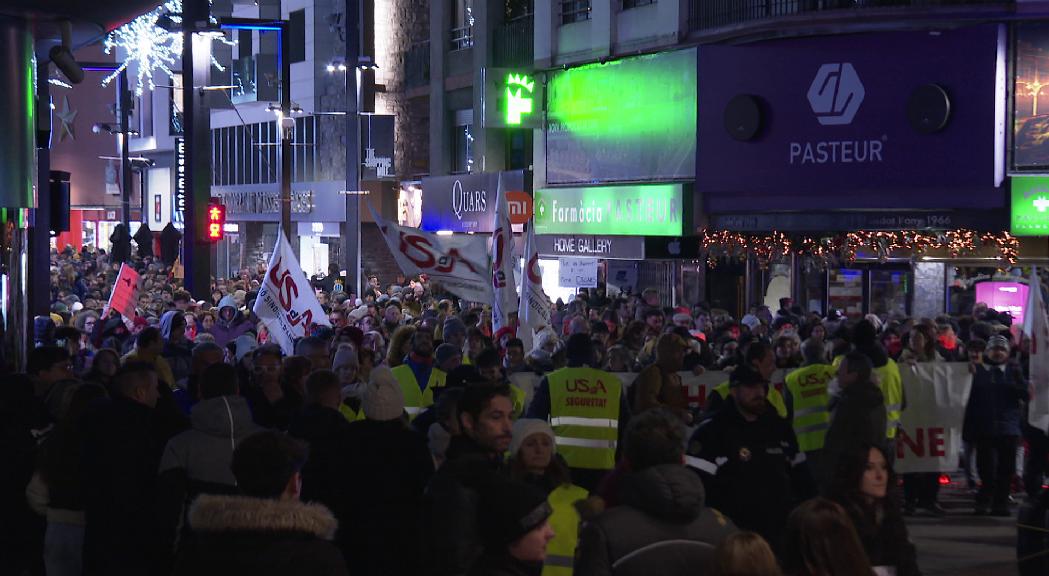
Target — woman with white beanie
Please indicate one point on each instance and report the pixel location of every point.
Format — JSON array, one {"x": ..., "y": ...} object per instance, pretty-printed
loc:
[
  {"x": 533, "y": 460},
  {"x": 346, "y": 366}
]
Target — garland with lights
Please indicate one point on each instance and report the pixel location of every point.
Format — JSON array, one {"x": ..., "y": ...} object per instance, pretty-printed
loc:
[{"x": 726, "y": 245}]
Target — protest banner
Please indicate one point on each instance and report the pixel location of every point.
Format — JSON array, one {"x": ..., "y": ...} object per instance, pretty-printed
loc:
[
  {"x": 930, "y": 435},
  {"x": 125, "y": 293},
  {"x": 533, "y": 311},
  {"x": 1036, "y": 327},
  {"x": 458, "y": 263},
  {"x": 287, "y": 312},
  {"x": 504, "y": 303}
]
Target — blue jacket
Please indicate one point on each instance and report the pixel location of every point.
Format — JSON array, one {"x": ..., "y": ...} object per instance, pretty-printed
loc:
[{"x": 993, "y": 408}]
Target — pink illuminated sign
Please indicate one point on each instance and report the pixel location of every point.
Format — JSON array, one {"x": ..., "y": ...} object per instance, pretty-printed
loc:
[{"x": 1008, "y": 297}]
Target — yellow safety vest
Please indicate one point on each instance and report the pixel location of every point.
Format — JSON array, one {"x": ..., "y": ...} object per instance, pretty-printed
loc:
[
  {"x": 808, "y": 388},
  {"x": 892, "y": 389},
  {"x": 350, "y": 414},
  {"x": 774, "y": 397},
  {"x": 416, "y": 401},
  {"x": 584, "y": 413},
  {"x": 560, "y": 552},
  {"x": 518, "y": 400}
]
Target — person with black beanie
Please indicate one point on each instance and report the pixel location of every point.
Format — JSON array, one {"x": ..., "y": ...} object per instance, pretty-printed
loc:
[{"x": 515, "y": 523}]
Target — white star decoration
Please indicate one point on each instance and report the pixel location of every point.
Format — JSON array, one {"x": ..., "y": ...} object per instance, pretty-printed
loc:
[
  {"x": 153, "y": 48},
  {"x": 67, "y": 116}
]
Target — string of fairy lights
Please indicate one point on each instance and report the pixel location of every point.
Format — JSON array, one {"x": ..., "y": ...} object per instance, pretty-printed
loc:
[{"x": 721, "y": 245}]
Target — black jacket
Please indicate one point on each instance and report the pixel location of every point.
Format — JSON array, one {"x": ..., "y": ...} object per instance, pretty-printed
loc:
[
  {"x": 503, "y": 565},
  {"x": 260, "y": 537},
  {"x": 884, "y": 536},
  {"x": 120, "y": 457},
  {"x": 752, "y": 471},
  {"x": 326, "y": 472},
  {"x": 453, "y": 542},
  {"x": 391, "y": 467},
  {"x": 662, "y": 523},
  {"x": 993, "y": 408},
  {"x": 858, "y": 418}
]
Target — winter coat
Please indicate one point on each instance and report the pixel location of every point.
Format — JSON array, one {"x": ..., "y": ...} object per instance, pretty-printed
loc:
[
  {"x": 453, "y": 542},
  {"x": 993, "y": 408},
  {"x": 858, "y": 418},
  {"x": 663, "y": 522},
  {"x": 389, "y": 493},
  {"x": 260, "y": 537},
  {"x": 752, "y": 471},
  {"x": 326, "y": 472},
  {"x": 886, "y": 541},
  {"x": 226, "y": 332},
  {"x": 120, "y": 461},
  {"x": 198, "y": 461},
  {"x": 179, "y": 356}
]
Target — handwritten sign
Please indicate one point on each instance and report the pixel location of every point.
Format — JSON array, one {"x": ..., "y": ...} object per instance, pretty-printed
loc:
[{"x": 577, "y": 273}]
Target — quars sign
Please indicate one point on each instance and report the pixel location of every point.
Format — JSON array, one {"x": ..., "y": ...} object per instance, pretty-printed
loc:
[{"x": 466, "y": 202}]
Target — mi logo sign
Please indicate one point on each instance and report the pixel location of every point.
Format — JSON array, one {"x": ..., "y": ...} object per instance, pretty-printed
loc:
[{"x": 520, "y": 204}]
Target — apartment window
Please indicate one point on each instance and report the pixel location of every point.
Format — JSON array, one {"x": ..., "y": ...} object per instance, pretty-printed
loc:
[
  {"x": 574, "y": 11},
  {"x": 297, "y": 31},
  {"x": 248, "y": 154},
  {"x": 628, "y": 4},
  {"x": 462, "y": 142},
  {"x": 462, "y": 25}
]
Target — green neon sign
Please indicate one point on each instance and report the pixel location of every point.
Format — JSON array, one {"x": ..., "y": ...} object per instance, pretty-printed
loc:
[
  {"x": 638, "y": 210},
  {"x": 1030, "y": 206},
  {"x": 519, "y": 97}
]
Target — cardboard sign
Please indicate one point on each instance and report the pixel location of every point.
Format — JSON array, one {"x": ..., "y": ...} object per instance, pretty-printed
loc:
[{"x": 577, "y": 273}]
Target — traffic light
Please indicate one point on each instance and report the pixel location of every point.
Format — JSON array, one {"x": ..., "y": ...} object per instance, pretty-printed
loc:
[{"x": 216, "y": 221}]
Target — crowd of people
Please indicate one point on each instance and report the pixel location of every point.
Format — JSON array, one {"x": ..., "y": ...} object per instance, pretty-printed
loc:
[{"x": 400, "y": 440}]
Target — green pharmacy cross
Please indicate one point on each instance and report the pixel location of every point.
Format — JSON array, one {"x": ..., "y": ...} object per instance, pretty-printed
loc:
[{"x": 519, "y": 97}]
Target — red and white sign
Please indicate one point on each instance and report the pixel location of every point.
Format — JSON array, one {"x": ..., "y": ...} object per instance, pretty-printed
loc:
[
  {"x": 458, "y": 263},
  {"x": 286, "y": 305},
  {"x": 930, "y": 435},
  {"x": 125, "y": 293}
]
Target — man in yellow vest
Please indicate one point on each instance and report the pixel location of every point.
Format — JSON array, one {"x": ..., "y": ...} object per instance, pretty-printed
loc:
[
  {"x": 418, "y": 377},
  {"x": 586, "y": 409},
  {"x": 807, "y": 394},
  {"x": 758, "y": 358}
]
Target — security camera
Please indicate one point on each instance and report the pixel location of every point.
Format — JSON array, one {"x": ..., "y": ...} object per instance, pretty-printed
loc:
[{"x": 62, "y": 56}]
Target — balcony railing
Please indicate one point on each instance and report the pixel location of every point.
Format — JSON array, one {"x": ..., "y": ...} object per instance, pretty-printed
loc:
[
  {"x": 462, "y": 37},
  {"x": 709, "y": 14},
  {"x": 417, "y": 65},
  {"x": 513, "y": 42}
]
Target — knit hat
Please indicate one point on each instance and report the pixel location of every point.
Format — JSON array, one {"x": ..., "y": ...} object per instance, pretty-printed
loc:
[
  {"x": 509, "y": 510},
  {"x": 998, "y": 341},
  {"x": 383, "y": 399},
  {"x": 444, "y": 352},
  {"x": 453, "y": 326},
  {"x": 750, "y": 321},
  {"x": 245, "y": 345},
  {"x": 526, "y": 427},
  {"x": 345, "y": 354},
  {"x": 357, "y": 314}
]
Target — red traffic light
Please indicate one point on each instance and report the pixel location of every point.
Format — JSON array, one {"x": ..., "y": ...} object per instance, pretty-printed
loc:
[{"x": 216, "y": 222}]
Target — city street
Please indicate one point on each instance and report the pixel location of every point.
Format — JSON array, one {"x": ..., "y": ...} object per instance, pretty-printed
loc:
[{"x": 961, "y": 544}]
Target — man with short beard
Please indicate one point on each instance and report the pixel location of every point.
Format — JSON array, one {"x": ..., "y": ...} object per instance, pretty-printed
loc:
[{"x": 749, "y": 460}]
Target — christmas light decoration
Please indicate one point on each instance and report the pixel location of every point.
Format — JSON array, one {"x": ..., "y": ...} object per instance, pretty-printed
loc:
[
  {"x": 829, "y": 250},
  {"x": 151, "y": 47}
]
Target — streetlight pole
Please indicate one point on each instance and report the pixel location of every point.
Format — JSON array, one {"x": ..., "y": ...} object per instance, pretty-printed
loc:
[
  {"x": 124, "y": 110},
  {"x": 351, "y": 239}
]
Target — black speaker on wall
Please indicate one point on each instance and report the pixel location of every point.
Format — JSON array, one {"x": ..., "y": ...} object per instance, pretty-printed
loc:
[
  {"x": 743, "y": 117},
  {"x": 929, "y": 109},
  {"x": 58, "y": 186}
]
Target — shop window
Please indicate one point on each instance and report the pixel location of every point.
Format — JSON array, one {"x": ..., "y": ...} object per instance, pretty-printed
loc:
[{"x": 845, "y": 291}]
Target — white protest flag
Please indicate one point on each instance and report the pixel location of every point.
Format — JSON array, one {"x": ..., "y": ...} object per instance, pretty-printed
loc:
[
  {"x": 287, "y": 305},
  {"x": 534, "y": 309},
  {"x": 505, "y": 302},
  {"x": 458, "y": 263},
  {"x": 1036, "y": 327}
]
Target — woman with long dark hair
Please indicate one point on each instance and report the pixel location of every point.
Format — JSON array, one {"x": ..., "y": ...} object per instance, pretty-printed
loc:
[
  {"x": 865, "y": 487},
  {"x": 820, "y": 541}
]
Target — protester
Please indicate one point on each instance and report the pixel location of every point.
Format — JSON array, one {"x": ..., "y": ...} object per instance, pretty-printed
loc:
[
  {"x": 819, "y": 540},
  {"x": 858, "y": 417},
  {"x": 516, "y": 528},
  {"x": 265, "y": 530},
  {"x": 992, "y": 424},
  {"x": 663, "y": 513},
  {"x": 533, "y": 461},
  {"x": 659, "y": 384},
  {"x": 809, "y": 401},
  {"x": 865, "y": 486}
]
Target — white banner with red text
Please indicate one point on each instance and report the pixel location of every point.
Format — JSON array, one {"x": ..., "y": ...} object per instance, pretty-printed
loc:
[{"x": 287, "y": 306}]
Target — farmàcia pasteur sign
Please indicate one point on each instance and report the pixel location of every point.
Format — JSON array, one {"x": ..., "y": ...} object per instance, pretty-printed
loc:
[{"x": 634, "y": 210}]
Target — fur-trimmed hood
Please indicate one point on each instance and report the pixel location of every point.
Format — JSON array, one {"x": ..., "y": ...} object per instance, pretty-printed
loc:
[{"x": 214, "y": 513}]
